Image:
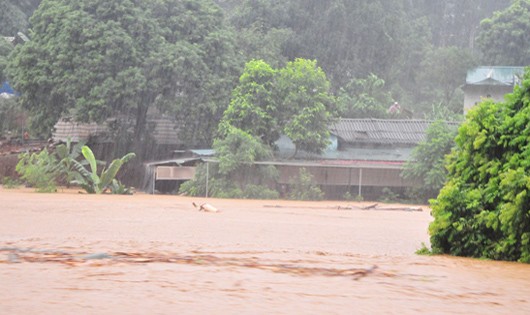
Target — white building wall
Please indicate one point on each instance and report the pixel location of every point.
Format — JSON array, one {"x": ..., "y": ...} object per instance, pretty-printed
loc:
[{"x": 476, "y": 93}]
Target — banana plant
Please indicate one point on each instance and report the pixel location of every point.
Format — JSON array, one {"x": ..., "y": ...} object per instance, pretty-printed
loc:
[
  {"x": 66, "y": 153},
  {"x": 89, "y": 180}
]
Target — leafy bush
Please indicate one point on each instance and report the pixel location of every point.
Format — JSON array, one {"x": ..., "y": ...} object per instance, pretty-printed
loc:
[
  {"x": 427, "y": 164},
  {"x": 66, "y": 154},
  {"x": 10, "y": 183},
  {"x": 347, "y": 196},
  {"x": 302, "y": 187},
  {"x": 484, "y": 208},
  {"x": 424, "y": 250},
  {"x": 39, "y": 170},
  {"x": 388, "y": 195}
]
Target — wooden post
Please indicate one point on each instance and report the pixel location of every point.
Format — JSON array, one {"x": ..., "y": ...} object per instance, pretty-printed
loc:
[
  {"x": 360, "y": 181},
  {"x": 207, "y": 175},
  {"x": 154, "y": 179}
]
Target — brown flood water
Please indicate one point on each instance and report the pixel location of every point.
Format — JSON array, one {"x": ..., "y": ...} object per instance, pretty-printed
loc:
[{"x": 70, "y": 253}]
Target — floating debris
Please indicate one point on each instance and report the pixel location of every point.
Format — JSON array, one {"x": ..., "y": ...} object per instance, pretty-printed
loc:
[
  {"x": 374, "y": 206},
  {"x": 75, "y": 259},
  {"x": 97, "y": 256},
  {"x": 205, "y": 207}
]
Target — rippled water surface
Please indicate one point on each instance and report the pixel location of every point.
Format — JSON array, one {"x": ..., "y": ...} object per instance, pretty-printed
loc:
[{"x": 69, "y": 253}]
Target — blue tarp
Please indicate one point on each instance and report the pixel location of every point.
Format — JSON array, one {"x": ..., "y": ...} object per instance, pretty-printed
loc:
[{"x": 6, "y": 88}]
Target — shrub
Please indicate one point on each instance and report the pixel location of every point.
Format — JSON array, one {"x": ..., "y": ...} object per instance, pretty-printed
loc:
[
  {"x": 387, "y": 195},
  {"x": 302, "y": 187},
  {"x": 39, "y": 170},
  {"x": 484, "y": 208},
  {"x": 427, "y": 161},
  {"x": 10, "y": 183}
]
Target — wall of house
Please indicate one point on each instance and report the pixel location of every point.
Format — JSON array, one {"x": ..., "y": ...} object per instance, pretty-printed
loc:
[
  {"x": 336, "y": 181},
  {"x": 474, "y": 94},
  {"x": 347, "y": 176}
]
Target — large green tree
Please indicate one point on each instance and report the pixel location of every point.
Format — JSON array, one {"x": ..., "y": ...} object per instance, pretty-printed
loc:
[
  {"x": 253, "y": 107},
  {"x": 97, "y": 59},
  {"x": 306, "y": 105},
  {"x": 364, "y": 98},
  {"x": 504, "y": 39},
  {"x": 294, "y": 100},
  {"x": 263, "y": 29},
  {"x": 484, "y": 208}
]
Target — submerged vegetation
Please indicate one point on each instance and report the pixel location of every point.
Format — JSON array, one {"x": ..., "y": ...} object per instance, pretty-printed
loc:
[
  {"x": 39, "y": 170},
  {"x": 303, "y": 188},
  {"x": 45, "y": 170},
  {"x": 94, "y": 183}
]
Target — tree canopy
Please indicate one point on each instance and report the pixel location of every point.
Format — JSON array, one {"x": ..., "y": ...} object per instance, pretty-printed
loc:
[
  {"x": 294, "y": 100},
  {"x": 484, "y": 208},
  {"x": 504, "y": 39},
  {"x": 97, "y": 59}
]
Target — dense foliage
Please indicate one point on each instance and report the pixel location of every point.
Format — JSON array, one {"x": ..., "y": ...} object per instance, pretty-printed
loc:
[
  {"x": 504, "y": 39},
  {"x": 98, "y": 59},
  {"x": 294, "y": 100},
  {"x": 427, "y": 164},
  {"x": 46, "y": 170},
  {"x": 484, "y": 208},
  {"x": 124, "y": 59},
  {"x": 5, "y": 50},
  {"x": 120, "y": 58},
  {"x": 39, "y": 170}
]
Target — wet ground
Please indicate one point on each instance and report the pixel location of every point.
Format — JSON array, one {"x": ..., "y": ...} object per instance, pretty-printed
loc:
[{"x": 70, "y": 253}]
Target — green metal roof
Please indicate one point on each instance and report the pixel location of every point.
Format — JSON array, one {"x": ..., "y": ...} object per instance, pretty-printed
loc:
[{"x": 509, "y": 76}]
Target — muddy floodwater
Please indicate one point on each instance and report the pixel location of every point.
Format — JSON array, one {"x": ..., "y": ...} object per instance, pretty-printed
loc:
[{"x": 71, "y": 253}]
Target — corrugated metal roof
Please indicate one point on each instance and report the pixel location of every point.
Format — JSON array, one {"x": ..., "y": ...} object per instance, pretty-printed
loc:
[
  {"x": 495, "y": 76},
  {"x": 336, "y": 164},
  {"x": 164, "y": 130},
  {"x": 172, "y": 162},
  {"x": 382, "y": 131}
]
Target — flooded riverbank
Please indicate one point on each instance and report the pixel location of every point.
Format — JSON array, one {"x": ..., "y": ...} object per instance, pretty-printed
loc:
[{"x": 74, "y": 253}]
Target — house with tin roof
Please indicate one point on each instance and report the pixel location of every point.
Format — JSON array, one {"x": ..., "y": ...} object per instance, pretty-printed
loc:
[
  {"x": 364, "y": 156},
  {"x": 490, "y": 82}
]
